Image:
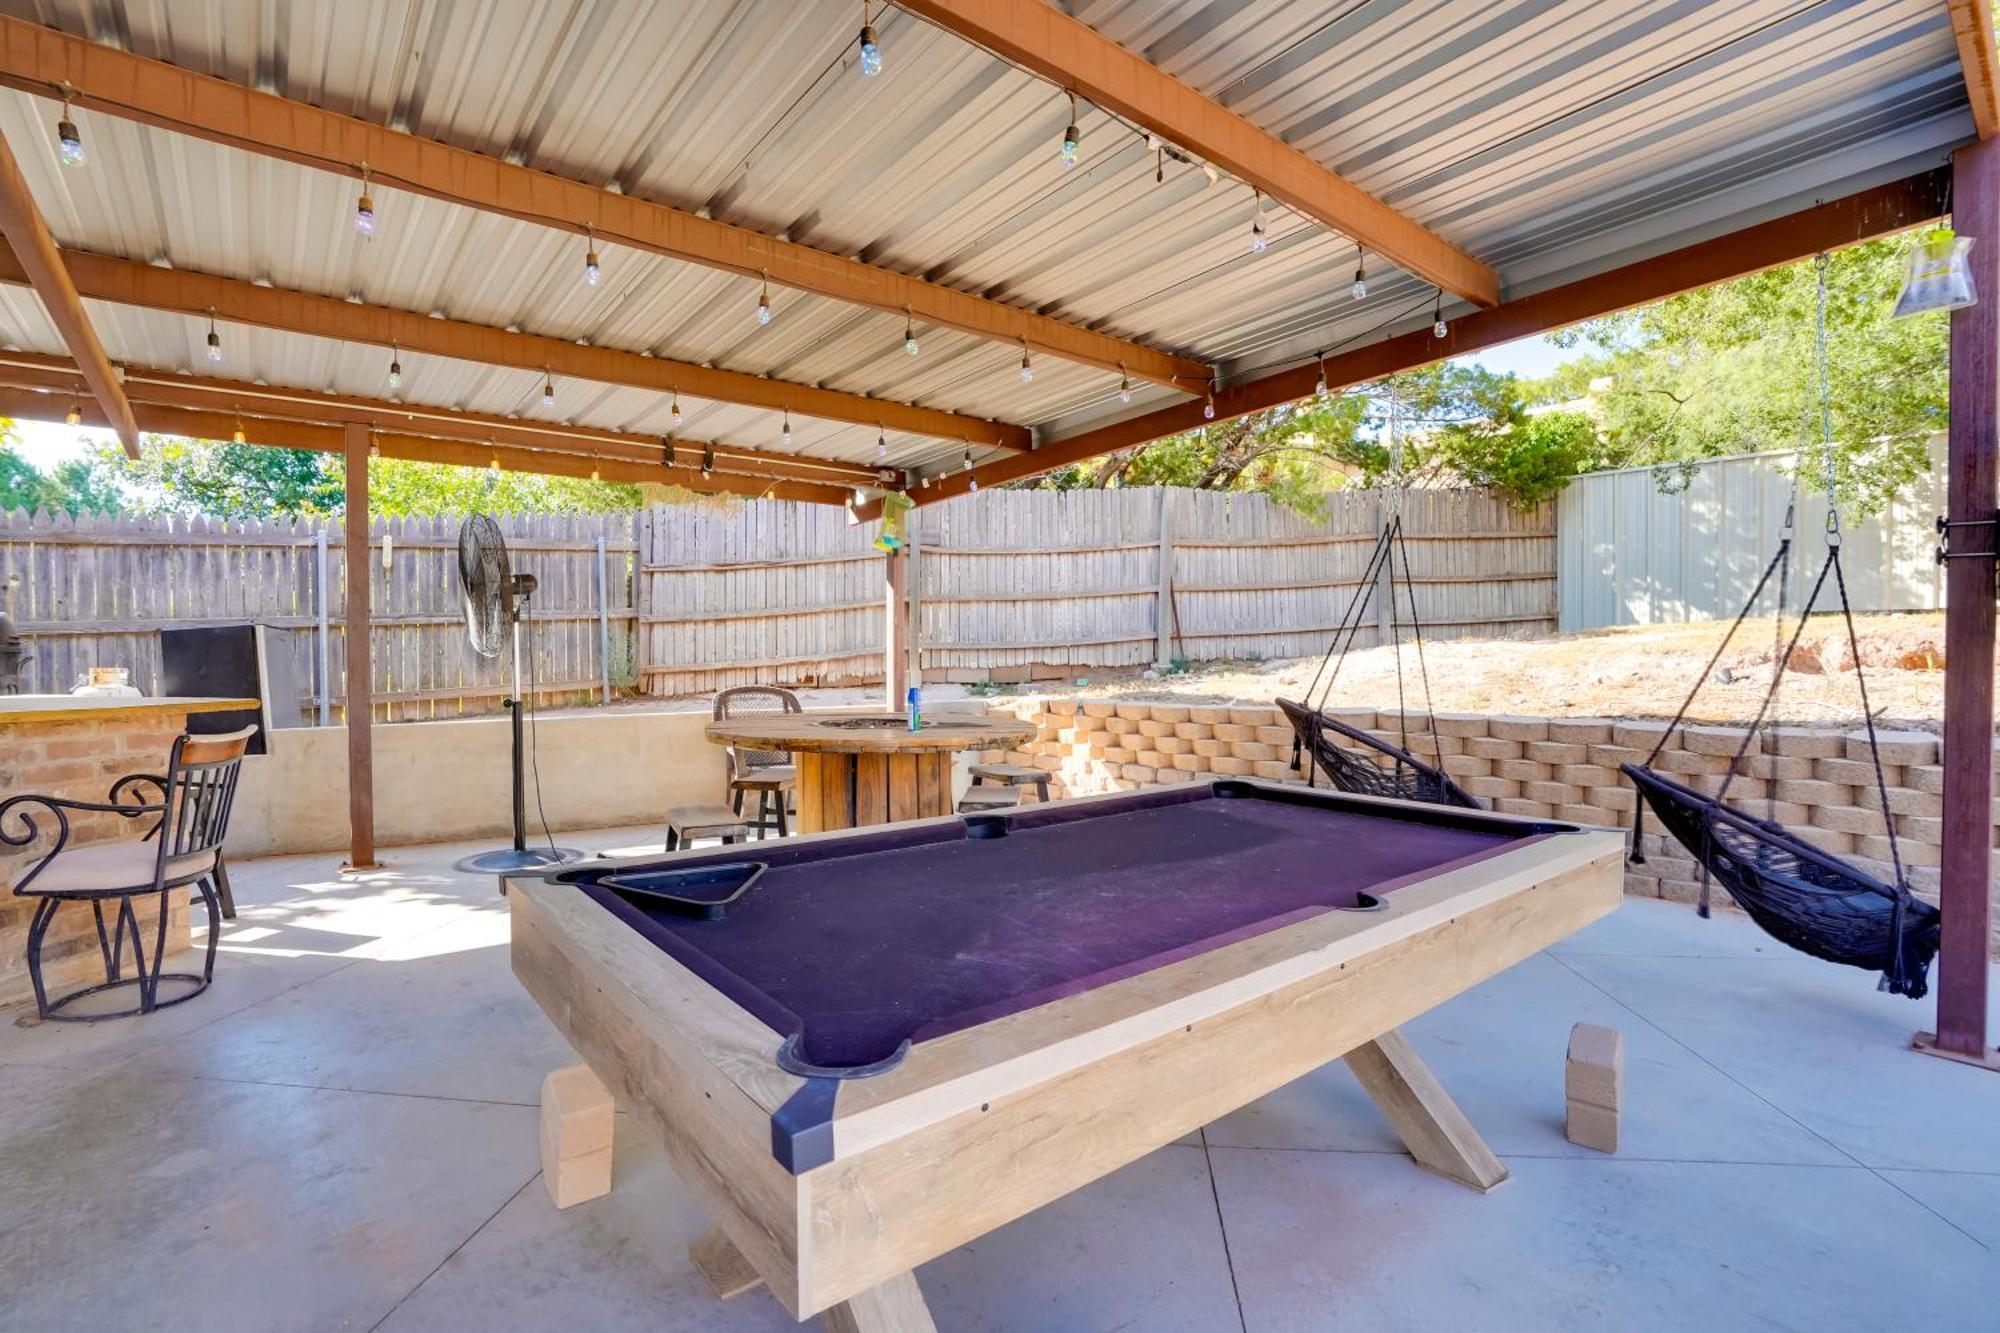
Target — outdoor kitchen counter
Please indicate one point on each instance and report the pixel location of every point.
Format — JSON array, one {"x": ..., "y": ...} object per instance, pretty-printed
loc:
[{"x": 76, "y": 746}]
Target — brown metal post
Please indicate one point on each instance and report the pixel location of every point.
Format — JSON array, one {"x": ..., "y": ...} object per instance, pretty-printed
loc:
[
  {"x": 360, "y": 687},
  {"x": 895, "y": 630},
  {"x": 1974, "y": 465}
]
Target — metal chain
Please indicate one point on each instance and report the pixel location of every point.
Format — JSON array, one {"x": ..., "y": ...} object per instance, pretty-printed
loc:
[{"x": 1821, "y": 265}]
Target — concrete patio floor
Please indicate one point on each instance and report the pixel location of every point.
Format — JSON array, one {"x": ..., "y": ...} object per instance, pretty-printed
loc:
[{"x": 342, "y": 1135}]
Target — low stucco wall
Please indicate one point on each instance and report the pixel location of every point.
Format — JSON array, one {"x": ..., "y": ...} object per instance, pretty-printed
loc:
[{"x": 444, "y": 781}]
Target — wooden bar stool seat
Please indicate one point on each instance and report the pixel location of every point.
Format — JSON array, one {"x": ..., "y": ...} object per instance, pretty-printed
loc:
[
  {"x": 1012, "y": 775},
  {"x": 685, "y": 823},
  {"x": 980, "y": 799},
  {"x": 773, "y": 786}
]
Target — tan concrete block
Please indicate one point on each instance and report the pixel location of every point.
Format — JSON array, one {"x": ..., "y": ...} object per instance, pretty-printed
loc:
[
  {"x": 1914, "y": 853},
  {"x": 1492, "y": 747},
  {"x": 1254, "y": 751},
  {"x": 1254, "y": 717},
  {"x": 1520, "y": 770},
  {"x": 1062, "y": 707},
  {"x": 1276, "y": 735},
  {"x": 1277, "y": 772},
  {"x": 1855, "y": 772},
  {"x": 1194, "y": 731},
  {"x": 1462, "y": 724},
  {"x": 1831, "y": 841},
  {"x": 1234, "y": 731},
  {"x": 1640, "y": 735},
  {"x": 1134, "y": 712},
  {"x": 1549, "y": 793},
  {"x": 1211, "y": 748},
  {"x": 1190, "y": 763},
  {"x": 1510, "y": 805},
  {"x": 1594, "y": 1071},
  {"x": 1170, "y": 713},
  {"x": 1516, "y": 729},
  {"x": 1098, "y": 710},
  {"x": 1491, "y": 788},
  {"x": 1589, "y": 775},
  {"x": 1620, "y": 801},
  {"x": 1556, "y": 752},
  {"x": 1608, "y": 755},
  {"x": 1896, "y": 747},
  {"x": 1711, "y": 739},
  {"x": 1848, "y": 819},
  {"x": 1585, "y": 813},
  {"x": 1920, "y": 829},
  {"x": 1778, "y": 765},
  {"x": 1909, "y": 801},
  {"x": 1583, "y": 730},
  {"x": 1813, "y": 792},
  {"x": 1807, "y": 742},
  {"x": 1208, "y": 713},
  {"x": 1153, "y": 758},
  {"x": 1591, "y": 1127},
  {"x": 1172, "y": 744},
  {"x": 1137, "y": 773},
  {"x": 1926, "y": 778},
  {"x": 1465, "y": 766},
  {"x": 1119, "y": 754},
  {"x": 1230, "y": 766},
  {"x": 1152, "y": 727}
]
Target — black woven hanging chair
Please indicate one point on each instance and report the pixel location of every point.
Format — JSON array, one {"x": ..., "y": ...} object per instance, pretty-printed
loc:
[
  {"x": 1813, "y": 901},
  {"x": 1351, "y": 759}
]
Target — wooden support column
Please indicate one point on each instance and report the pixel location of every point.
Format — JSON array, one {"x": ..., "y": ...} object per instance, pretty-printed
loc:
[
  {"x": 895, "y": 629},
  {"x": 1972, "y": 472},
  {"x": 1166, "y": 621},
  {"x": 360, "y": 686}
]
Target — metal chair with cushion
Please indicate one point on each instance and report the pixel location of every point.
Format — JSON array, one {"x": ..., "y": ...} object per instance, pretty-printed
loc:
[
  {"x": 182, "y": 848},
  {"x": 769, "y": 773}
]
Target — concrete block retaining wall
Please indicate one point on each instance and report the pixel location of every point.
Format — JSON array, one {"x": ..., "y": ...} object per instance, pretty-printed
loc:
[{"x": 1818, "y": 782}]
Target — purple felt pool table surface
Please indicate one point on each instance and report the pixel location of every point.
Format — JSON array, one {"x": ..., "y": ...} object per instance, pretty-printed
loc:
[{"x": 856, "y": 946}]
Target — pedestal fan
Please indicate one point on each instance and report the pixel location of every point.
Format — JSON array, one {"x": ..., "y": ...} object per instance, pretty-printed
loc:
[{"x": 494, "y": 600}]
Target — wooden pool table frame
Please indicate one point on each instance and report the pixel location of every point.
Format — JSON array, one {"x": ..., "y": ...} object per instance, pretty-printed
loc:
[{"x": 980, "y": 1126}]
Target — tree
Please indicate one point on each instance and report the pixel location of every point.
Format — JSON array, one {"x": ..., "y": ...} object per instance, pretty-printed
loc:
[
  {"x": 72, "y": 487},
  {"x": 1734, "y": 369}
]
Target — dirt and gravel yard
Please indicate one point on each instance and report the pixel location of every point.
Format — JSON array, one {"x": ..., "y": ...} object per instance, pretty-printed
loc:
[{"x": 1642, "y": 671}]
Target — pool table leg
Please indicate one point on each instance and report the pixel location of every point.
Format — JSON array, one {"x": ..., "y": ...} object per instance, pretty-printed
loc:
[
  {"x": 577, "y": 1119},
  {"x": 1423, "y": 1114},
  {"x": 895, "y": 1306}
]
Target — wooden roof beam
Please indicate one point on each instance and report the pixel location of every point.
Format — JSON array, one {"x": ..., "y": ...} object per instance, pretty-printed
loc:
[
  {"x": 33, "y": 405},
  {"x": 41, "y": 266},
  {"x": 1972, "y": 28},
  {"x": 117, "y": 83},
  {"x": 127, "y": 282},
  {"x": 1840, "y": 222},
  {"x": 1076, "y": 57},
  {"x": 237, "y": 402}
]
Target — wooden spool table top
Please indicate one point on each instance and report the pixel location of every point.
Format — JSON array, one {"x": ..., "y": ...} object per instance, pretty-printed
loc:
[{"x": 871, "y": 731}]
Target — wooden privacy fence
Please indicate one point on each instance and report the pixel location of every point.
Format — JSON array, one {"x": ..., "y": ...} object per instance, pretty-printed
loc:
[
  {"x": 96, "y": 591},
  {"x": 679, "y": 600}
]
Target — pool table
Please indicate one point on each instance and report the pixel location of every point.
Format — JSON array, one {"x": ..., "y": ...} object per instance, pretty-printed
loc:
[{"x": 863, "y": 1049}]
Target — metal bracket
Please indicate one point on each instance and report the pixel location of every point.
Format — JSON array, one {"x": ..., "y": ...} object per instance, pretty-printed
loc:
[{"x": 1991, "y": 550}]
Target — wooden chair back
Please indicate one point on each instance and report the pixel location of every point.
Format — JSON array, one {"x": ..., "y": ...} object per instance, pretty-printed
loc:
[{"x": 200, "y": 790}]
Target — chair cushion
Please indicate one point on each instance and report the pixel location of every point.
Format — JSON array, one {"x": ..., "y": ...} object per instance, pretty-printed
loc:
[{"x": 109, "y": 867}]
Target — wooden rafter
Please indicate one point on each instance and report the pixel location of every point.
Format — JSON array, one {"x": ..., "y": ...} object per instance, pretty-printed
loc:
[
  {"x": 117, "y": 83},
  {"x": 126, "y": 282},
  {"x": 41, "y": 266},
  {"x": 35, "y": 405},
  {"x": 1071, "y": 54},
  {"x": 1972, "y": 28},
  {"x": 1839, "y": 222}
]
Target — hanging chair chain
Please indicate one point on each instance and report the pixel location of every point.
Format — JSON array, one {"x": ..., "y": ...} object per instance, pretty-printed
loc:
[{"x": 1820, "y": 359}]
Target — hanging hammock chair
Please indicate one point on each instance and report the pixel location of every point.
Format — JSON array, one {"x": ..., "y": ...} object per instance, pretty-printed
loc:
[
  {"x": 1815, "y": 902},
  {"x": 1353, "y": 760}
]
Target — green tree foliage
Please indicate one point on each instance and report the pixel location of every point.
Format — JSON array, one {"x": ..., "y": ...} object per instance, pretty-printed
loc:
[
  {"x": 1733, "y": 369},
  {"x": 72, "y": 487}
]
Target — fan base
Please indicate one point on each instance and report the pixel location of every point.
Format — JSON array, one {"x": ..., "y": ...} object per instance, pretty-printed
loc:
[{"x": 504, "y": 860}]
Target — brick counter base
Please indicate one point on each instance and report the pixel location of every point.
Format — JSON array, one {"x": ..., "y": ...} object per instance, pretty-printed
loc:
[
  {"x": 79, "y": 760},
  {"x": 1819, "y": 783}
]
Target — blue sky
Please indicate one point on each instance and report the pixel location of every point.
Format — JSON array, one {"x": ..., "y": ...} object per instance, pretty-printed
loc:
[{"x": 45, "y": 444}]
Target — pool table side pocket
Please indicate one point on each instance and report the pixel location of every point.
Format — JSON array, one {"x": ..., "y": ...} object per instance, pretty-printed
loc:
[
  {"x": 673, "y": 1058},
  {"x": 906, "y": 1200}
]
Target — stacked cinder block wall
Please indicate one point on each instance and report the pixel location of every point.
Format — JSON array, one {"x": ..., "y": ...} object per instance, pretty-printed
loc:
[{"x": 1819, "y": 782}]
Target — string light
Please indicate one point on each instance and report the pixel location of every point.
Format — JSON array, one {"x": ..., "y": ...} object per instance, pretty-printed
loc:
[
  {"x": 1027, "y": 366},
  {"x": 374, "y": 447},
  {"x": 972, "y": 485},
  {"x": 591, "y": 271},
  {"x": 708, "y": 458},
  {"x": 1208, "y": 407},
  {"x": 69, "y": 144},
  {"x": 1438, "y": 327},
  {"x": 871, "y": 50},
  {"x": 881, "y": 443},
  {"x": 968, "y": 459},
  {"x": 1072, "y": 139},
  {"x": 237, "y": 434},
  {"x": 667, "y": 449},
  {"x": 1258, "y": 241},
  {"x": 548, "y": 388},
  {"x": 785, "y": 436},
  {"x": 395, "y": 369},
  {"x": 1360, "y": 274},
  {"x": 1319, "y": 385},
  {"x": 214, "y": 339},
  {"x": 593, "y": 472},
  {"x": 493, "y": 462},
  {"x": 75, "y": 417},
  {"x": 909, "y": 332},
  {"x": 764, "y": 303},
  {"x": 364, "y": 207},
  {"x": 674, "y": 417}
]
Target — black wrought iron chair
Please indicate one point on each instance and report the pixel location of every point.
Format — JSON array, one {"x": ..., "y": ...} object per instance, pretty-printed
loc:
[
  {"x": 769, "y": 773},
  {"x": 181, "y": 849}
]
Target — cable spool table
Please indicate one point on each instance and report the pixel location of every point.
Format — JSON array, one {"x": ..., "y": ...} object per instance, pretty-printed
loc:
[{"x": 861, "y": 768}]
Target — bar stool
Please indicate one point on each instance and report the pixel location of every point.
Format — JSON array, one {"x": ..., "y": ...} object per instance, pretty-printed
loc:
[
  {"x": 978, "y": 800},
  {"x": 685, "y": 823},
  {"x": 182, "y": 848},
  {"x": 769, "y": 773}
]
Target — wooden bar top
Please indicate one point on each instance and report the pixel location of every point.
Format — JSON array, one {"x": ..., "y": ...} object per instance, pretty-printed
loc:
[
  {"x": 871, "y": 732},
  {"x": 16, "y": 709}
]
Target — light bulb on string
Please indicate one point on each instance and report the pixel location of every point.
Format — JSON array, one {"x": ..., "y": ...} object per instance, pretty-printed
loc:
[
  {"x": 1124, "y": 386},
  {"x": 591, "y": 270},
  {"x": 593, "y": 472},
  {"x": 1360, "y": 275},
  {"x": 75, "y": 417},
  {"x": 667, "y": 458},
  {"x": 967, "y": 466},
  {"x": 674, "y": 416},
  {"x": 548, "y": 389},
  {"x": 364, "y": 207},
  {"x": 871, "y": 49},
  {"x": 1072, "y": 140},
  {"x": 764, "y": 304},
  {"x": 69, "y": 143},
  {"x": 395, "y": 370},
  {"x": 493, "y": 463},
  {"x": 909, "y": 332},
  {"x": 237, "y": 434},
  {"x": 1258, "y": 241},
  {"x": 881, "y": 444},
  {"x": 1208, "y": 407},
  {"x": 1438, "y": 327},
  {"x": 214, "y": 340},
  {"x": 1027, "y": 366},
  {"x": 374, "y": 447},
  {"x": 785, "y": 435},
  {"x": 1319, "y": 385},
  {"x": 708, "y": 459}
]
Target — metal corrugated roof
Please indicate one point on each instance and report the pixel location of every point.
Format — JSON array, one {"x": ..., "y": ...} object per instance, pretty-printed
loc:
[{"x": 1550, "y": 139}]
